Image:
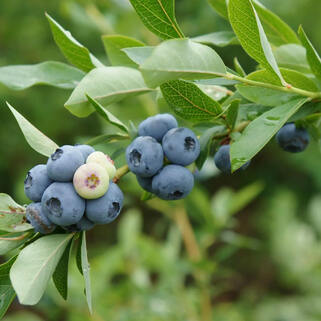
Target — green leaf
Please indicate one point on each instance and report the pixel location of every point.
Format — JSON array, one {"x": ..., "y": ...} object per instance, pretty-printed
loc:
[
  {"x": 113, "y": 46},
  {"x": 60, "y": 276},
  {"x": 7, "y": 293},
  {"x": 232, "y": 113},
  {"x": 185, "y": 59},
  {"x": 105, "y": 114},
  {"x": 271, "y": 97},
  {"x": 239, "y": 69},
  {"x": 220, "y": 7},
  {"x": 277, "y": 31},
  {"x": 9, "y": 245},
  {"x": 50, "y": 73},
  {"x": 292, "y": 56},
  {"x": 106, "y": 138},
  {"x": 86, "y": 271},
  {"x": 35, "y": 138},
  {"x": 219, "y": 38},
  {"x": 159, "y": 17},
  {"x": 189, "y": 102},
  {"x": 35, "y": 265},
  {"x": 107, "y": 85},
  {"x": 258, "y": 133},
  {"x": 205, "y": 143},
  {"x": 78, "y": 254},
  {"x": 311, "y": 54},
  {"x": 251, "y": 35},
  {"x": 74, "y": 52},
  {"x": 12, "y": 215},
  {"x": 138, "y": 54}
]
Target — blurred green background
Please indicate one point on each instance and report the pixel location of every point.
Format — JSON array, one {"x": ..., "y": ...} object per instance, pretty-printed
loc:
[{"x": 255, "y": 253}]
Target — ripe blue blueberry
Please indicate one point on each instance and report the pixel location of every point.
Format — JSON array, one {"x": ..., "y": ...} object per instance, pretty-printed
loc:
[
  {"x": 222, "y": 160},
  {"x": 38, "y": 219},
  {"x": 83, "y": 225},
  {"x": 173, "y": 182},
  {"x": 62, "y": 205},
  {"x": 86, "y": 150},
  {"x": 145, "y": 183},
  {"x": 106, "y": 208},
  {"x": 292, "y": 139},
  {"x": 36, "y": 182},
  {"x": 145, "y": 156},
  {"x": 64, "y": 162},
  {"x": 181, "y": 146},
  {"x": 157, "y": 126}
]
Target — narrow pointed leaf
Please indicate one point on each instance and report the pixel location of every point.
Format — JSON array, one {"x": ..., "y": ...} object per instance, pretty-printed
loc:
[
  {"x": 138, "y": 54},
  {"x": 35, "y": 265},
  {"x": 107, "y": 138},
  {"x": 86, "y": 271},
  {"x": 220, "y": 7},
  {"x": 35, "y": 138},
  {"x": 219, "y": 39},
  {"x": 50, "y": 73},
  {"x": 271, "y": 97},
  {"x": 232, "y": 113},
  {"x": 60, "y": 276},
  {"x": 174, "y": 59},
  {"x": 105, "y": 114},
  {"x": 248, "y": 28},
  {"x": 259, "y": 132},
  {"x": 312, "y": 55},
  {"x": 239, "y": 69},
  {"x": 7, "y": 293},
  {"x": 113, "y": 46},
  {"x": 74, "y": 52},
  {"x": 189, "y": 101},
  {"x": 107, "y": 85},
  {"x": 12, "y": 215},
  {"x": 159, "y": 17}
]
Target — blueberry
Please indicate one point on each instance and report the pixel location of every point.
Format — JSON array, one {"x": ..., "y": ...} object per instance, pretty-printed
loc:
[
  {"x": 38, "y": 219},
  {"x": 86, "y": 150},
  {"x": 145, "y": 156},
  {"x": 91, "y": 181},
  {"x": 103, "y": 160},
  {"x": 157, "y": 126},
  {"x": 36, "y": 182},
  {"x": 63, "y": 163},
  {"x": 105, "y": 209},
  {"x": 292, "y": 139},
  {"x": 223, "y": 162},
  {"x": 62, "y": 205},
  {"x": 181, "y": 146},
  {"x": 173, "y": 182},
  {"x": 145, "y": 183},
  {"x": 83, "y": 225}
]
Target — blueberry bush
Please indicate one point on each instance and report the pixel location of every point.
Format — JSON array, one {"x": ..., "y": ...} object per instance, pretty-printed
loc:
[{"x": 213, "y": 114}]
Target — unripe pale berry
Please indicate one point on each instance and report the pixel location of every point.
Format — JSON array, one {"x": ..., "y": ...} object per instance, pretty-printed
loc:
[
  {"x": 91, "y": 181},
  {"x": 103, "y": 160}
]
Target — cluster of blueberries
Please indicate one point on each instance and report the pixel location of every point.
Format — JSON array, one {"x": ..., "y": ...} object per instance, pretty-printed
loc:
[
  {"x": 290, "y": 138},
  {"x": 159, "y": 155},
  {"x": 74, "y": 190}
]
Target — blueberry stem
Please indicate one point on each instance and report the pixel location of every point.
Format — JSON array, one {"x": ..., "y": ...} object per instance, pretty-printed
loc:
[{"x": 122, "y": 171}]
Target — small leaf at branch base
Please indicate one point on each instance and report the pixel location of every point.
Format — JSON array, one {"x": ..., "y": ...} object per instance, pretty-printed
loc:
[
  {"x": 60, "y": 276},
  {"x": 13, "y": 217},
  {"x": 232, "y": 113},
  {"x": 75, "y": 52},
  {"x": 52, "y": 73},
  {"x": 113, "y": 46},
  {"x": 35, "y": 138},
  {"x": 105, "y": 114},
  {"x": 259, "y": 132},
  {"x": 159, "y": 17},
  {"x": 35, "y": 265},
  {"x": 189, "y": 101}
]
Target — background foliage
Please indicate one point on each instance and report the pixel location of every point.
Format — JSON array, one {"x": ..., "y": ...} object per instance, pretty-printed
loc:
[{"x": 262, "y": 264}]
